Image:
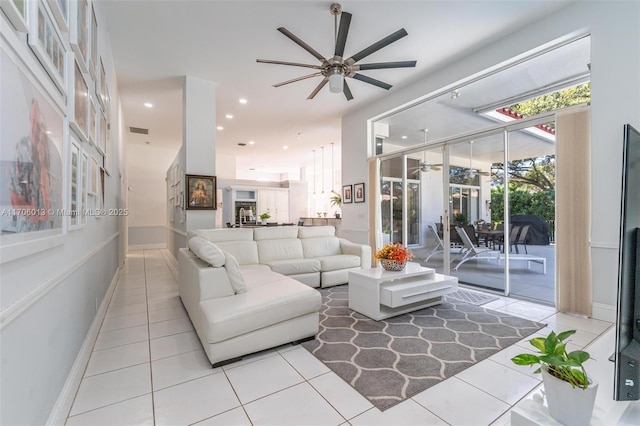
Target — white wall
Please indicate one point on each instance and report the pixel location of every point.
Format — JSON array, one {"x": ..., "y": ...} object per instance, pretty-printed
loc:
[
  {"x": 615, "y": 65},
  {"x": 49, "y": 298},
  {"x": 146, "y": 171}
]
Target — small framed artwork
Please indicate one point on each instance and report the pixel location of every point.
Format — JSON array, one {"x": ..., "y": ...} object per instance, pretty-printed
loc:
[
  {"x": 347, "y": 198},
  {"x": 18, "y": 13},
  {"x": 358, "y": 190},
  {"x": 93, "y": 122},
  {"x": 85, "y": 186},
  {"x": 76, "y": 182},
  {"x": 101, "y": 87},
  {"x": 79, "y": 31},
  {"x": 46, "y": 43},
  {"x": 78, "y": 99},
  {"x": 94, "y": 177},
  {"x": 102, "y": 134},
  {"x": 201, "y": 192},
  {"x": 93, "y": 57},
  {"x": 60, "y": 11}
]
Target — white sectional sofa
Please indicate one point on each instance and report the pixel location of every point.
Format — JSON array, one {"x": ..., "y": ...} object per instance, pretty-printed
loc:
[
  {"x": 310, "y": 254},
  {"x": 248, "y": 290}
]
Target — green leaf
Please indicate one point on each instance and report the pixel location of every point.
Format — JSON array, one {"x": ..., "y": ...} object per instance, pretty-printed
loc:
[
  {"x": 578, "y": 356},
  {"x": 555, "y": 360},
  {"x": 562, "y": 336},
  {"x": 538, "y": 371},
  {"x": 560, "y": 349},
  {"x": 550, "y": 343},
  {"x": 525, "y": 359},
  {"x": 538, "y": 343}
]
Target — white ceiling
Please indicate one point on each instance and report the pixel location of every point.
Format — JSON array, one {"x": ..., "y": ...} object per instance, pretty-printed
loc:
[{"x": 154, "y": 43}]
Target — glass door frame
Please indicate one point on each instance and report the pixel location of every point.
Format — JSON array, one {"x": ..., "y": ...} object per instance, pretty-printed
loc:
[{"x": 444, "y": 144}]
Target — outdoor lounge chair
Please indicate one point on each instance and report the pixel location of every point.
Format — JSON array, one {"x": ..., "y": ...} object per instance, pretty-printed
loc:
[
  {"x": 439, "y": 247},
  {"x": 472, "y": 252}
]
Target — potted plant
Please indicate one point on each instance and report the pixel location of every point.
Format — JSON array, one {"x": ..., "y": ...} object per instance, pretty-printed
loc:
[
  {"x": 460, "y": 219},
  {"x": 264, "y": 216},
  {"x": 336, "y": 200},
  {"x": 570, "y": 393}
]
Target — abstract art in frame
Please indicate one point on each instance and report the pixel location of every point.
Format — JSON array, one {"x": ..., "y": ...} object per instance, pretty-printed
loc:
[
  {"x": 201, "y": 192},
  {"x": 46, "y": 42},
  {"x": 33, "y": 137},
  {"x": 358, "y": 191}
]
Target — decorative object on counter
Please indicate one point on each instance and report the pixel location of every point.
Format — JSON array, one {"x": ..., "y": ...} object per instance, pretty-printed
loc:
[
  {"x": 570, "y": 393},
  {"x": 358, "y": 189},
  {"x": 264, "y": 216},
  {"x": 393, "y": 257}
]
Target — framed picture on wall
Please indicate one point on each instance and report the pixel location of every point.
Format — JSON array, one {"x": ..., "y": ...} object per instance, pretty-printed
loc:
[
  {"x": 93, "y": 56},
  {"x": 46, "y": 42},
  {"x": 60, "y": 11},
  {"x": 347, "y": 198},
  {"x": 34, "y": 135},
  {"x": 93, "y": 121},
  {"x": 79, "y": 31},
  {"x": 78, "y": 99},
  {"x": 200, "y": 192},
  {"x": 76, "y": 182},
  {"x": 18, "y": 13},
  {"x": 358, "y": 190}
]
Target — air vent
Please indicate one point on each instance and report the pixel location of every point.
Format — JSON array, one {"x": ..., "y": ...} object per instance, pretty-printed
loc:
[
  {"x": 242, "y": 144},
  {"x": 139, "y": 130}
]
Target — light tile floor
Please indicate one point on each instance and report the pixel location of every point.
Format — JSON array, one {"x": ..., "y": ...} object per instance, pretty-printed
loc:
[{"x": 148, "y": 367}]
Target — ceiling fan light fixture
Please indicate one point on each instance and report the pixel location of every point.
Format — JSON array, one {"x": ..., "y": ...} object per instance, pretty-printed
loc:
[{"x": 336, "y": 81}]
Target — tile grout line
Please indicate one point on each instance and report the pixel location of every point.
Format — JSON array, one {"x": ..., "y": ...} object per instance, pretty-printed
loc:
[{"x": 146, "y": 291}]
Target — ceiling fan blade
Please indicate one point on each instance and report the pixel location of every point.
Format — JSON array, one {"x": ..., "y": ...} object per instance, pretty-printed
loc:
[
  {"x": 384, "y": 65},
  {"x": 295, "y": 64},
  {"x": 318, "y": 88},
  {"x": 293, "y": 80},
  {"x": 378, "y": 45},
  {"x": 302, "y": 44},
  {"x": 372, "y": 81},
  {"x": 343, "y": 31},
  {"x": 347, "y": 91},
  {"x": 437, "y": 169}
]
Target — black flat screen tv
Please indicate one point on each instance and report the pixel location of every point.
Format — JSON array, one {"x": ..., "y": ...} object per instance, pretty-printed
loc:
[{"x": 627, "y": 355}]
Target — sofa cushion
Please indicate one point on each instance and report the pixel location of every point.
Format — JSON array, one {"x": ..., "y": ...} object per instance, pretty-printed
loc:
[
  {"x": 245, "y": 252},
  {"x": 261, "y": 306},
  {"x": 339, "y": 261},
  {"x": 294, "y": 267},
  {"x": 220, "y": 235},
  {"x": 275, "y": 232},
  {"x": 279, "y": 249},
  {"x": 316, "y": 231},
  {"x": 235, "y": 275},
  {"x": 320, "y": 246},
  {"x": 207, "y": 251}
]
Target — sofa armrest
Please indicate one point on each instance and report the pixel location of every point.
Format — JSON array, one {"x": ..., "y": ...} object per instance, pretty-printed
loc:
[
  {"x": 361, "y": 250},
  {"x": 200, "y": 281}
]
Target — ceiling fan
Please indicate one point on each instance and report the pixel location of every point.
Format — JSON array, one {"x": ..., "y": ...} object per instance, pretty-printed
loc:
[
  {"x": 423, "y": 166},
  {"x": 471, "y": 172},
  {"x": 335, "y": 69}
]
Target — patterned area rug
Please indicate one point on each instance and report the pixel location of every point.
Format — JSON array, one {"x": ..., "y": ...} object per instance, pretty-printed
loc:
[
  {"x": 471, "y": 297},
  {"x": 392, "y": 360}
]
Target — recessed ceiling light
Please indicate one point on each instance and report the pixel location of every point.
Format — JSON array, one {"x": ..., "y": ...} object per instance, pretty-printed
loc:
[
  {"x": 229, "y": 115},
  {"x": 285, "y": 147},
  {"x": 147, "y": 142},
  {"x": 404, "y": 137},
  {"x": 48, "y": 132},
  {"x": 242, "y": 100},
  {"x": 148, "y": 104},
  {"x": 220, "y": 128},
  {"x": 251, "y": 142}
]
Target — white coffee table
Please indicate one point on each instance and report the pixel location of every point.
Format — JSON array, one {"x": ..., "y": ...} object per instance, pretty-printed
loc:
[{"x": 381, "y": 294}]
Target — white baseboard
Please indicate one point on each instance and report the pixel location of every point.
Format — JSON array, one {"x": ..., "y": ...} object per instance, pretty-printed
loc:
[
  {"x": 603, "y": 312},
  {"x": 136, "y": 247},
  {"x": 62, "y": 407}
]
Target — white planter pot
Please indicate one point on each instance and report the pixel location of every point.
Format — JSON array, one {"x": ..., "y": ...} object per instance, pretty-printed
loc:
[{"x": 568, "y": 405}]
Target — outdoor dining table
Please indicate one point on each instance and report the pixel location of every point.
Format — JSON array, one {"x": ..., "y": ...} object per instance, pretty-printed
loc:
[{"x": 490, "y": 235}]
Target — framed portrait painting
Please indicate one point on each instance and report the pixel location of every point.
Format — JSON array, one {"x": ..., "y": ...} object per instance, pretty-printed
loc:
[
  {"x": 200, "y": 192},
  {"x": 33, "y": 138},
  {"x": 347, "y": 197},
  {"x": 358, "y": 192}
]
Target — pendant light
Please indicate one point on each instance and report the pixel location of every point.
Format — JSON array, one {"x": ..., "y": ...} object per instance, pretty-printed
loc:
[
  {"x": 332, "y": 172},
  {"x": 322, "y": 148},
  {"x": 314, "y": 172}
]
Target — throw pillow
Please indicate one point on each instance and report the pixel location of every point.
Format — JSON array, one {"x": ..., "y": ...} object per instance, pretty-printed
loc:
[
  {"x": 234, "y": 274},
  {"x": 207, "y": 251}
]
